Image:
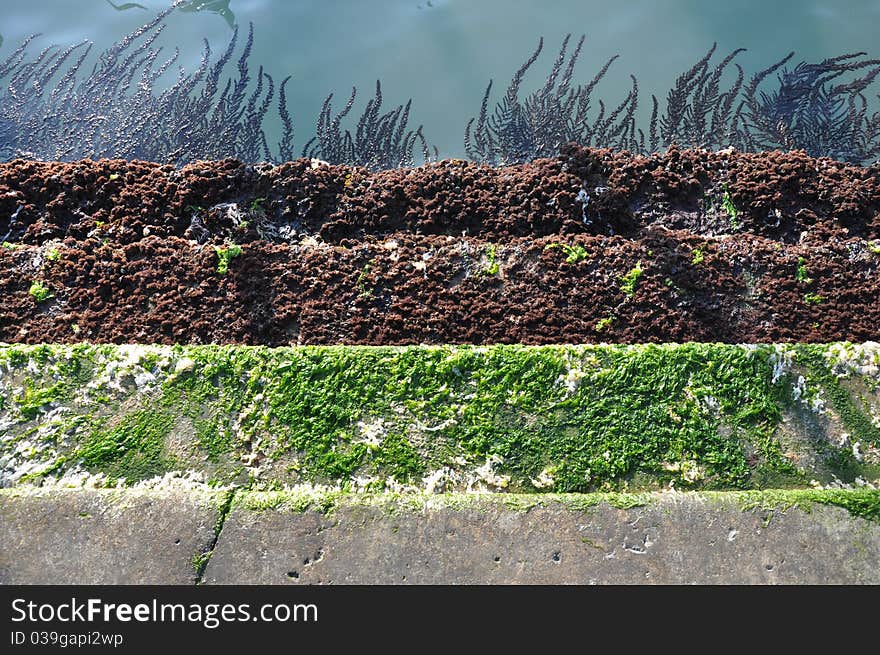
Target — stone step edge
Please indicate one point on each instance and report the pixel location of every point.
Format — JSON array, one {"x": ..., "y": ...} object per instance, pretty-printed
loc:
[
  {"x": 861, "y": 502},
  {"x": 318, "y": 536}
]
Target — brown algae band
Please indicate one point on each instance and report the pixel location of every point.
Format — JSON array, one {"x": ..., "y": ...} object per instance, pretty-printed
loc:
[{"x": 444, "y": 418}]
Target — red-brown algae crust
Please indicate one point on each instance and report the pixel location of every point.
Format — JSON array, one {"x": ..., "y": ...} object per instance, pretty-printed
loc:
[
  {"x": 778, "y": 195},
  {"x": 724, "y": 246},
  {"x": 167, "y": 290}
]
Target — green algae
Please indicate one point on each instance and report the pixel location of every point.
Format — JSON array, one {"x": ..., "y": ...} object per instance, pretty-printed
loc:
[
  {"x": 629, "y": 281},
  {"x": 567, "y": 418},
  {"x": 223, "y": 501},
  {"x": 132, "y": 449},
  {"x": 856, "y": 421},
  {"x": 225, "y": 255},
  {"x": 214, "y": 437},
  {"x": 862, "y": 502},
  {"x": 35, "y": 397},
  {"x": 327, "y": 501}
]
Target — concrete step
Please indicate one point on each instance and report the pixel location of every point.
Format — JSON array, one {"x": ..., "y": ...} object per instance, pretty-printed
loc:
[{"x": 315, "y": 536}]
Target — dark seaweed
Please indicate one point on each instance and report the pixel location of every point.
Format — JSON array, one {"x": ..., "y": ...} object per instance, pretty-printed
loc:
[
  {"x": 51, "y": 110},
  {"x": 380, "y": 141},
  {"x": 555, "y": 114},
  {"x": 698, "y": 113},
  {"x": 116, "y": 111},
  {"x": 807, "y": 112}
]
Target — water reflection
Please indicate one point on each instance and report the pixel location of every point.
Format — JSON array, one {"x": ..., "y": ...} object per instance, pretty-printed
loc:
[{"x": 50, "y": 108}]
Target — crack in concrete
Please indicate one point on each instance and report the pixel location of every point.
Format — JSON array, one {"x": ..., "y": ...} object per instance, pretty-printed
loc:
[{"x": 201, "y": 560}]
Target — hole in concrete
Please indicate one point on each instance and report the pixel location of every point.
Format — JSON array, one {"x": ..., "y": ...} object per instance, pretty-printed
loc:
[
  {"x": 177, "y": 542},
  {"x": 314, "y": 559},
  {"x": 497, "y": 558},
  {"x": 556, "y": 556},
  {"x": 293, "y": 575},
  {"x": 769, "y": 567}
]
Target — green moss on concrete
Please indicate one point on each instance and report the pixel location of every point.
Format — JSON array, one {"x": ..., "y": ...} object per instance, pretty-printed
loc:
[
  {"x": 560, "y": 418},
  {"x": 296, "y": 501},
  {"x": 201, "y": 559},
  {"x": 629, "y": 411},
  {"x": 133, "y": 448},
  {"x": 327, "y": 501},
  {"x": 214, "y": 436},
  {"x": 856, "y": 421},
  {"x": 863, "y": 503},
  {"x": 34, "y": 398},
  {"x": 52, "y": 380}
]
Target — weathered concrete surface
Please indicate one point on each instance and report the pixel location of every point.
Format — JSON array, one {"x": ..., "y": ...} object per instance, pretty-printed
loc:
[
  {"x": 103, "y": 537},
  {"x": 151, "y": 537},
  {"x": 678, "y": 540}
]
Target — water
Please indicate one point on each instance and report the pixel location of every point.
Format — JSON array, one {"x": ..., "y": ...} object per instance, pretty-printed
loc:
[{"x": 442, "y": 56}]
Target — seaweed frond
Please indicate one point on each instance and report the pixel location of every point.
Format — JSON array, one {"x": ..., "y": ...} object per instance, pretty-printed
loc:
[
  {"x": 48, "y": 111},
  {"x": 557, "y": 113},
  {"x": 808, "y": 111},
  {"x": 380, "y": 140},
  {"x": 698, "y": 113}
]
